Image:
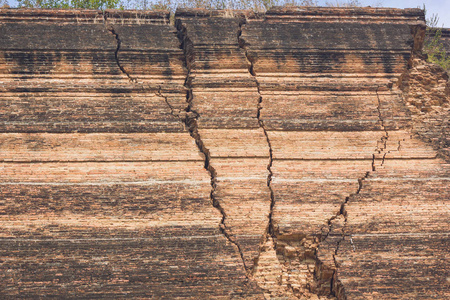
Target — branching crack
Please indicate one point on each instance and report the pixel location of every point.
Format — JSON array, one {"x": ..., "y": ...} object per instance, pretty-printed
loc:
[
  {"x": 172, "y": 109},
  {"x": 116, "y": 52},
  {"x": 132, "y": 79},
  {"x": 380, "y": 117},
  {"x": 342, "y": 211},
  {"x": 190, "y": 120},
  {"x": 385, "y": 138},
  {"x": 270, "y": 230}
]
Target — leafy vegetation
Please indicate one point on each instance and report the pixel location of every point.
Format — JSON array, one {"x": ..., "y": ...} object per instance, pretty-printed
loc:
[
  {"x": 433, "y": 46},
  {"x": 65, "y": 4}
]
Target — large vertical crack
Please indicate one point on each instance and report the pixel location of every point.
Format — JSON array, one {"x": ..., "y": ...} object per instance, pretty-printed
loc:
[
  {"x": 270, "y": 230},
  {"x": 290, "y": 253},
  {"x": 286, "y": 254},
  {"x": 190, "y": 120}
]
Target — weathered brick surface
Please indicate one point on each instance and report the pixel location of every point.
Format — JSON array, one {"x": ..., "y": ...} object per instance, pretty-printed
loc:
[
  {"x": 103, "y": 191},
  {"x": 335, "y": 122},
  {"x": 300, "y": 153},
  {"x": 426, "y": 90}
]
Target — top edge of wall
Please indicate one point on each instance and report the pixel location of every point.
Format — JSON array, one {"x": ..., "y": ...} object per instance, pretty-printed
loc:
[
  {"x": 344, "y": 11},
  {"x": 413, "y": 16},
  {"x": 84, "y": 16}
]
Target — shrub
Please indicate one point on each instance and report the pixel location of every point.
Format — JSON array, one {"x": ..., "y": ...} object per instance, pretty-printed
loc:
[{"x": 433, "y": 46}]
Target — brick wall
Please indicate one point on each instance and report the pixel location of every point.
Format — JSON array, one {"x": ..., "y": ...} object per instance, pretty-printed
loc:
[{"x": 228, "y": 155}]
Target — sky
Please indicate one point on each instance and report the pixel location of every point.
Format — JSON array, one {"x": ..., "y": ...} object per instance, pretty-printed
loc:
[{"x": 439, "y": 7}]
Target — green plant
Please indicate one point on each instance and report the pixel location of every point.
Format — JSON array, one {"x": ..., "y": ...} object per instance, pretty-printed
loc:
[
  {"x": 433, "y": 46},
  {"x": 92, "y": 4}
]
